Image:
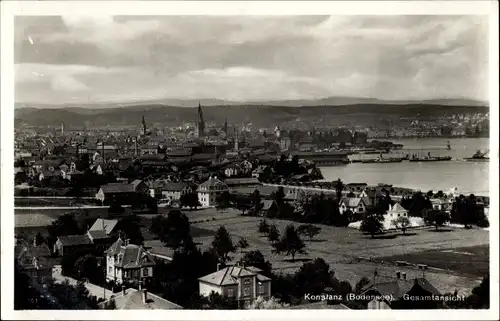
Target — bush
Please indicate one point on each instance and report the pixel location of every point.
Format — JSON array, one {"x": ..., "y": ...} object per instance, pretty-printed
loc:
[{"x": 483, "y": 223}]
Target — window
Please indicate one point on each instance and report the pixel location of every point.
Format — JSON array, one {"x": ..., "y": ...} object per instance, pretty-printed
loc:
[
  {"x": 246, "y": 281},
  {"x": 246, "y": 291},
  {"x": 145, "y": 271},
  {"x": 261, "y": 288},
  {"x": 230, "y": 292},
  {"x": 110, "y": 269}
]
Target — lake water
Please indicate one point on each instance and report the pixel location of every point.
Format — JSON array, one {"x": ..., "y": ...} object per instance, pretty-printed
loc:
[{"x": 467, "y": 177}]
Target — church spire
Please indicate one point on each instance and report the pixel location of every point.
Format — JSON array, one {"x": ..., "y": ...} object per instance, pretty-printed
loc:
[
  {"x": 225, "y": 126},
  {"x": 144, "y": 129},
  {"x": 201, "y": 121}
]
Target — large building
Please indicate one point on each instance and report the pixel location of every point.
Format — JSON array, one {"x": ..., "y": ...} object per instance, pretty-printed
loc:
[{"x": 209, "y": 190}]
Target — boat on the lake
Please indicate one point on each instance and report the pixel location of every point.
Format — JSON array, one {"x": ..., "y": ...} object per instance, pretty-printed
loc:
[
  {"x": 478, "y": 157},
  {"x": 429, "y": 158}
]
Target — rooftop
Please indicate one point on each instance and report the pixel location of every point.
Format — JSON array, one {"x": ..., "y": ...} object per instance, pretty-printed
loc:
[
  {"x": 133, "y": 300},
  {"x": 231, "y": 274}
]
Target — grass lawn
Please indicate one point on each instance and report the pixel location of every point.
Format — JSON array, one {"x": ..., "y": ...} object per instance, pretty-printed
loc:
[
  {"x": 340, "y": 247},
  {"x": 472, "y": 260}
]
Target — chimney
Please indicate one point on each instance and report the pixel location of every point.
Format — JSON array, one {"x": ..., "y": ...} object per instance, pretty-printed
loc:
[
  {"x": 126, "y": 242},
  {"x": 140, "y": 285},
  {"x": 403, "y": 275},
  {"x": 144, "y": 296},
  {"x": 398, "y": 275},
  {"x": 123, "y": 289},
  {"x": 218, "y": 266}
]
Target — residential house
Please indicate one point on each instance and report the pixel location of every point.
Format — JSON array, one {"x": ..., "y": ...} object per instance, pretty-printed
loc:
[
  {"x": 268, "y": 207},
  {"x": 235, "y": 183},
  {"x": 128, "y": 263},
  {"x": 48, "y": 176},
  {"x": 246, "y": 166},
  {"x": 149, "y": 149},
  {"x": 173, "y": 191},
  {"x": 209, "y": 190},
  {"x": 101, "y": 233},
  {"x": 357, "y": 205},
  {"x": 261, "y": 170},
  {"x": 97, "y": 169},
  {"x": 133, "y": 299},
  {"x": 392, "y": 294},
  {"x": 241, "y": 283},
  {"x": 396, "y": 211},
  {"x": 33, "y": 259},
  {"x": 122, "y": 193},
  {"x": 442, "y": 204},
  {"x": 72, "y": 244},
  {"x": 232, "y": 170}
]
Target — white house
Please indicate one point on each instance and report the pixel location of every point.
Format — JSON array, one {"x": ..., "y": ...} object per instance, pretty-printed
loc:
[
  {"x": 395, "y": 211},
  {"x": 209, "y": 190},
  {"x": 128, "y": 263},
  {"x": 240, "y": 283}
]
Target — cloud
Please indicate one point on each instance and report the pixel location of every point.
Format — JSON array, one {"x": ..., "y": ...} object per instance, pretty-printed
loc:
[{"x": 251, "y": 57}]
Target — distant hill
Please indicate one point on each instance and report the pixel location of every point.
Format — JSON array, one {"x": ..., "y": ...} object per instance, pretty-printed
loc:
[
  {"x": 329, "y": 101},
  {"x": 260, "y": 115}
]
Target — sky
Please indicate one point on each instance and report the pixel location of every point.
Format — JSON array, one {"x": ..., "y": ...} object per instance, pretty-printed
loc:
[{"x": 75, "y": 59}]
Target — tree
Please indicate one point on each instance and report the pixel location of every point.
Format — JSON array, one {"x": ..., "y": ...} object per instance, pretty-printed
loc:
[
  {"x": 220, "y": 302},
  {"x": 256, "y": 202},
  {"x": 309, "y": 230},
  {"x": 116, "y": 208},
  {"x": 401, "y": 223},
  {"x": 279, "y": 196},
  {"x": 339, "y": 187},
  {"x": 263, "y": 227},
  {"x": 222, "y": 245},
  {"x": 313, "y": 277},
  {"x": 290, "y": 243},
  {"x": 223, "y": 200},
  {"x": 129, "y": 226},
  {"x": 243, "y": 204},
  {"x": 64, "y": 225},
  {"x": 175, "y": 229},
  {"x": 86, "y": 267},
  {"x": 436, "y": 218},
  {"x": 190, "y": 200},
  {"x": 372, "y": 224},
  {"x": 242, "y": 244},
  {"x": 273, "y": 235},
  {"x": 262, "y": 304},
  {"x": 256, "y": 259}
]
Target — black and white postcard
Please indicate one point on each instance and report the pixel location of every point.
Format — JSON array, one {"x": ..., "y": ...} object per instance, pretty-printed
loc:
[{"x": 206, "y": 160}]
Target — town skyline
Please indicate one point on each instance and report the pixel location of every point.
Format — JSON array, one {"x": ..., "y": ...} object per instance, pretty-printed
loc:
[{"x": 118, "y": 59}]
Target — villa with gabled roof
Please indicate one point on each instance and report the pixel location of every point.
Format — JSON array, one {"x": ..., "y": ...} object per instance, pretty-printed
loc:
[{"x": 128, "y": 263}]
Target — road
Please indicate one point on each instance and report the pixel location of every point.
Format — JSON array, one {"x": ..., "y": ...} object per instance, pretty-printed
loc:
[{"x": 96, "y": 290}]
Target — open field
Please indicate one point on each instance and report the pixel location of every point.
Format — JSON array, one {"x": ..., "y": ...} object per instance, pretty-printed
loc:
[
  {"x": 341, "y": 248},
  {"x": 472, "y": 260}
]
